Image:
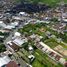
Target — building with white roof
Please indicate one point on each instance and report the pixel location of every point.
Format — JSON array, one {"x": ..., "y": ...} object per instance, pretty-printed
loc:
[
  {"x": 65, "y": 20},
  {"x": 1, "y": 36},
  {"x": 17, "y": 34},
  {"x": 4, "y": 31},
  {"x": 2, "y": 24},
  {"x": 14, "y": 24},
  {"x": 12, "y": 46},
  {"x": 22, "y": 14},
  {"x": 9, "y": 27},
  {"x": 16, "y": 43},
  {"x": 16, "y": 18},
  {"x": 30, "y": 48},
  {"x": 31, "y": 57},
  {"x": 19, "y": 41},
  {"x": 4, "y": 60}
]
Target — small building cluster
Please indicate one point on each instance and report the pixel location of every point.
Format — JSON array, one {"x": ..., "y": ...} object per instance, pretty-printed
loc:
[
  {"x": 5, "y": 61},
  {"x": 16, "y": 42}
]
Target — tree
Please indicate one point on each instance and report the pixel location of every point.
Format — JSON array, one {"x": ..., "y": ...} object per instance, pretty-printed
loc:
[{"x": 2, "y": 48}]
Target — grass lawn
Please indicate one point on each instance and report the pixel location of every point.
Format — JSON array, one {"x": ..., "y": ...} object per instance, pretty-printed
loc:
[
  {"x": 65, "y": 1},
  {"x": 34, "y": 28},
  {"x": 53, "y": 43},
  {"x": 48, "y": 2},
  {"x": 42, "y": 60},
  {"x": 37, "y": 63},
  {"x": 51, "y": 3}
]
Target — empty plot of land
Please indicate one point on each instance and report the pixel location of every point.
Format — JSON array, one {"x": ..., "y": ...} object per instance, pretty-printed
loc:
[{"x": 61, "y": 50}]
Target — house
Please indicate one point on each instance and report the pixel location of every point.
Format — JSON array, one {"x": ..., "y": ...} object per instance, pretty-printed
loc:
[
  {"x": 59, "y": 27},
  {"x": 16, "y": 18},
  {"x": 33, "y": 21},
  {"x": 65, "y": 20},
  {"x": 16, "y": 43},
  {"x": 36, "y": 37},
  {"x": 12, "y": 46},
  {"x": 64, "y": 17},
  {"x": 4, "y": 31},
  {"x": 9, "y": 27},
  {"x": 33, "y": 36},
  {"x": 48, "y": 33},
  {"x": 14, "y": 24},
  {"x": 19, "y": 41},
  {"x": 4, "y": 60},
  {"x": 65, "y": 64},
  {"x": 11, "y": 64},
  {"x": 23, "y": 13},
  {"x": 2, "y": 24},
  {"x": 62, "y": 61}
]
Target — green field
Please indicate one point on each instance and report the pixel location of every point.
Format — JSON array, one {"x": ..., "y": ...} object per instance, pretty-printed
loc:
[
  {"x": 42, "y": 60},
  {"x": 37, "y": 63},
  {"x": 53, "y": 43},
  {"x": 48, "y": 2}
]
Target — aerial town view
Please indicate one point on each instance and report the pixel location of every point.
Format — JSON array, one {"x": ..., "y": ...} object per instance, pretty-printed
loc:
[{"x": 33, "y": 33}]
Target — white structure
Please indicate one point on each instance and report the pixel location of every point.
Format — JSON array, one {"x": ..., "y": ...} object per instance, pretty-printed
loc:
[
  {"x": 22, "y": 14},
  {"x": 14, "y": 24},
  {"x": 33, "y": 36},
  {"x": 1, "y": 36},
  {"x": 31, "y": 57},
  {"x": 17, "y": 34},
  {"x": 16, "y": 18},
  {"x": 4, "y": 31},
  {"x": 30, "y": 48},
  {"x": 2, "y": 24},
  {"x": 65, "y": 20},
  {"x": 4, "y": 60},
  {"x": 19, "y": 41},
  {"x": 9, "y": 27}
]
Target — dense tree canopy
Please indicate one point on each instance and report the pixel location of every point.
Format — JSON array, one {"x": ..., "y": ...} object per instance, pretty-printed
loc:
[{"x": 2, "y": 48}]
